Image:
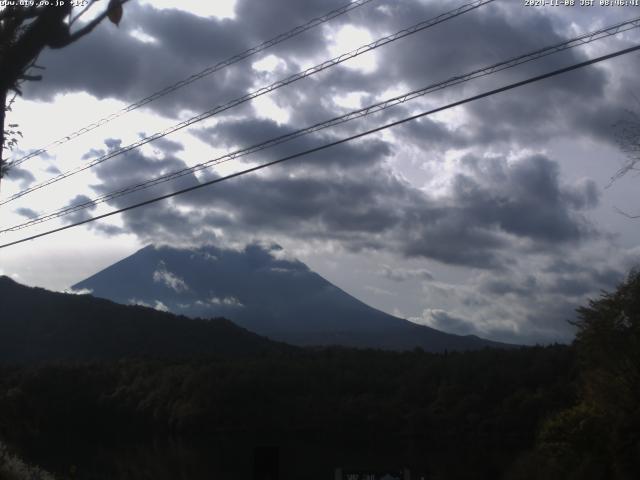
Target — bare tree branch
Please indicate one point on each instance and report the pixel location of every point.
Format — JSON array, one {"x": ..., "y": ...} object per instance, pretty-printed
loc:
[
  {"x": 88, "y": 28},
  {"x": 24, "y": 32},
  {"x": 628, "y": 139},
  {"x": 625, "y": 214},
  {"x": 82, "y": 12},
  {"x": 22, "y": 13},
  {"x": 31, "y": 78}
]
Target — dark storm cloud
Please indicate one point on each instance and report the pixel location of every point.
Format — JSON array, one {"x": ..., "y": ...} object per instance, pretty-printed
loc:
[
  {"x": 428, "y": 134},
  {"x": 488, "y": 206},
  {"x": 134, "y": 167},
  {"x": 403, "y": 274},
  {"x": 333, "y": 207},
  {"x": 94, "y": 153},
  {"x": 167, "y": 146},
  {"x": 263, "y": 20},
  {"x": 441, "y": 320},
  {"x": 27, "y": 213},
  {"x": 165, "y": 224},
  {"x": 244, "y": 133},
  {"x": 549, "y": 320},
  {"x": 504, "y": 286},
  {"x": 24, "y": 177},
  {"x": 548, "y": 109},
  {"x": 446, "y": 235},
  {"x": 584, "y": 195},
  {"x": 539, "y": 319},
  {"x": 117, "y": 173},
  {"x": 107, "y": 230},
  {"x": 550, "y": 327},
  {"x": 157, "y": 223},
  {"x": 487, "y": 214},
  {"x": 495, "y": 202},
  {"x": 241, "y": 132},
  {"x": 80, "y": 215},
  {"x": 546, "y": 297},
  {"x": 525, "y": 199},
  {"x": 574, "y": 279},
  {"x": 112, "y": 63},
  {"x": 530, "y": 115}
]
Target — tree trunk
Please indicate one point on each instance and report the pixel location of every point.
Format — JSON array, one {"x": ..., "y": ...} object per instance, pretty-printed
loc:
[{"x": 3, "y": 105}]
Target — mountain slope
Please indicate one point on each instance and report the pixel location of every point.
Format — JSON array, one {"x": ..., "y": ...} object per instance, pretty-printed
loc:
[
  {"x": 280, "y": 299},
  {"x": 38, "y": 325}
]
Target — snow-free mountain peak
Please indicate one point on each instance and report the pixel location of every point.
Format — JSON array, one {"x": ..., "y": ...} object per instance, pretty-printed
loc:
[{"x": 279, "y": 298}]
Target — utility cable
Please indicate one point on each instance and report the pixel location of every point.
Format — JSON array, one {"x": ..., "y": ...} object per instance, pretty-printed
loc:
[
  {"x": 371, "y": 109},
  {"x": 335, "y": 143},
  {"x": 257, "y": 93},
  {"x": 196, "y": 76}
]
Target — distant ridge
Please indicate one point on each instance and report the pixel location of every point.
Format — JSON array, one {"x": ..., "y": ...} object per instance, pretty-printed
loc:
[
  {"x": 280, "y": 299},
  {"x": 38, "y": 325}
]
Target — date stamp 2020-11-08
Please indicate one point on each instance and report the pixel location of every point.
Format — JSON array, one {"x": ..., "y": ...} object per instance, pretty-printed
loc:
[{"x": 581, "y": 3}]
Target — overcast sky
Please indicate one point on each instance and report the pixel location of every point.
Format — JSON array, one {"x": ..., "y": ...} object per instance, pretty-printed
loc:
[{"x": 492, "y": 218}]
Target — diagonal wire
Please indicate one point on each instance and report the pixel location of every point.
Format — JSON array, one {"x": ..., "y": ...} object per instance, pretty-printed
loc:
[
  {"x": 371, "y": 109},
  {"x": 261, "y": 91},
  {"x": 335, "y": 143},
  {"x": 196, "y": 76}
]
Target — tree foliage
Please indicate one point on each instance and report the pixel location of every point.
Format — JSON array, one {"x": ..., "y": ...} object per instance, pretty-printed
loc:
[
  {"x": 599, "y": 437},
  {"x": 628, "y": 137},
  {"x": 456, "y": 416},
  {"x": 26, "y": 28}
]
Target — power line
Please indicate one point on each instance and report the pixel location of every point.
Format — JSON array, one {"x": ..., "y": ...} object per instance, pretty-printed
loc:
[
  {"x": 196, "y": 76},
  {"x": 257, "y": 93},
  {"x": 371, "y": 109},
  {"x": 335, "y": 143}
]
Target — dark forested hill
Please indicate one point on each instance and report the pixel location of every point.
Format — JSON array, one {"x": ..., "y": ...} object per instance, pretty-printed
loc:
[
  {"x": 38, "y": 325},
  {"x": 557, "y": 412},
  {"x": 281, "y": 299},
  {"x": 457, "y": 416}
]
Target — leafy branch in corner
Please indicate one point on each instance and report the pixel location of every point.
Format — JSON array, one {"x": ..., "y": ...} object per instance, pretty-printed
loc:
[{"x": 26, "y": 30}]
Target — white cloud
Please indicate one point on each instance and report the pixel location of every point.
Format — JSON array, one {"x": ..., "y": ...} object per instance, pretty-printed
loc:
[
  {"x": 224, "y": 301},
  {"x": 157, "y": 305},
  {"x": 348, "y": 38},
  {"x": 351, "y": 100},
  {"x": 218, "y": 8},
  {"x": 162, "y": 275},
  {"x": 161, "y": 306},
  {"x": 82, "y": 291},
  {"x": 377, "y": 290},
  {"x": 143, "y": 37},
  {"x": 268, "y": 108},
  {"x": 269, "y": 64}
]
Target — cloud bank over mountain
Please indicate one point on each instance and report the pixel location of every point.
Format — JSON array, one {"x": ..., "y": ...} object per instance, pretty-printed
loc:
[{"x": 493, "y": 215}]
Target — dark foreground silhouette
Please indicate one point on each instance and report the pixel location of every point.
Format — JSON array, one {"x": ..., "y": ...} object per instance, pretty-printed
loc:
[{"x": 565, "y": 412}]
